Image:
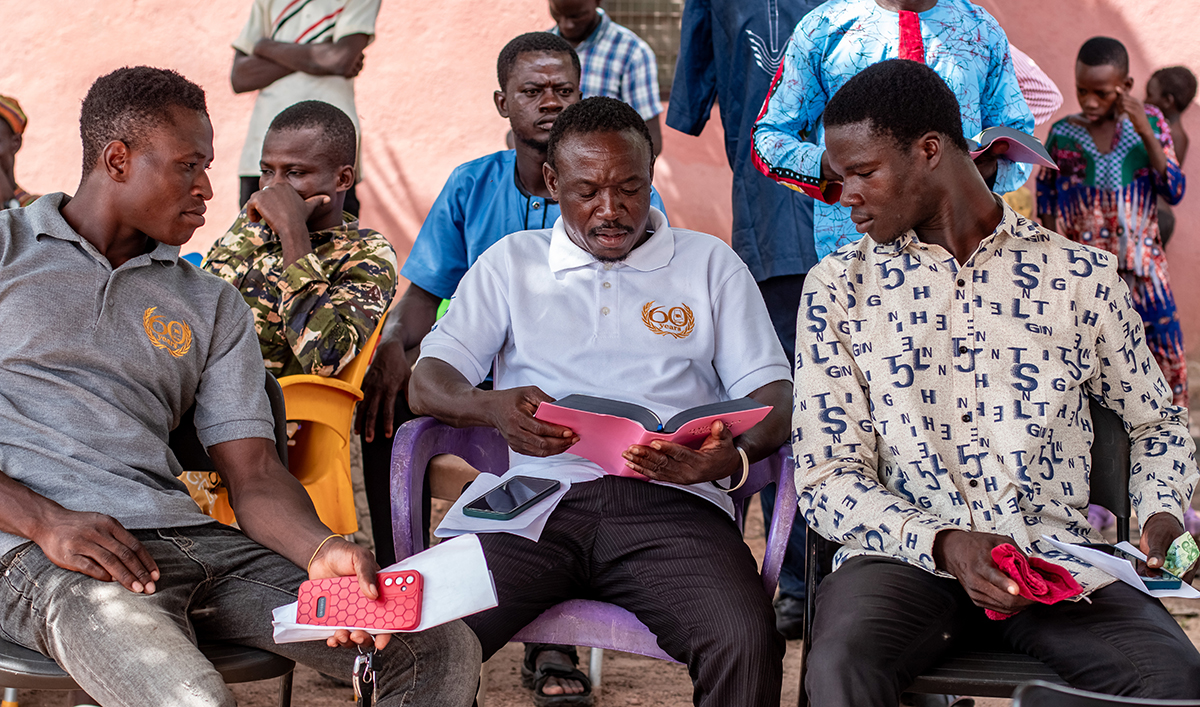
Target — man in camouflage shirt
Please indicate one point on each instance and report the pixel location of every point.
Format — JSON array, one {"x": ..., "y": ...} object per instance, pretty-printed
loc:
[{"x": 317, "y": 283}]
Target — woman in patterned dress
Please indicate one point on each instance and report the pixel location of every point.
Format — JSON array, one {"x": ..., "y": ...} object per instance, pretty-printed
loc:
[{"x": 1108, "y": 197}]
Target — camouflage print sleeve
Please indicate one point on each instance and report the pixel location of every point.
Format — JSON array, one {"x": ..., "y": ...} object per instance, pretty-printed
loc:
[{"x": 328, "y": 316}]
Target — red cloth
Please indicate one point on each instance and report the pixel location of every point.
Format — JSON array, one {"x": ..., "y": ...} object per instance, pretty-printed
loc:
[
  {"x": 1040, "y": 581},
  {"x": 912, "y": 47}
]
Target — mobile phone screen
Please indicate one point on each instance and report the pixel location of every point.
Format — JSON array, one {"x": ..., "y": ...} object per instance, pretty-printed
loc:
[{"x": 512, "y": 494}]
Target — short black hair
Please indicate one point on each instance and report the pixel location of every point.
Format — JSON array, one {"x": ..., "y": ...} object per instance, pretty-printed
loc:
[
  {"x": 598, "y": 114},
  {"x": 129, "y": 102},
  {"x": 1178, "y": 83},
  {"x": 904, "y": 99},
  {"x": 338, "y": 142},
  {"x": 532, "y": 42},
  {"x": 1104, "y": 51}
]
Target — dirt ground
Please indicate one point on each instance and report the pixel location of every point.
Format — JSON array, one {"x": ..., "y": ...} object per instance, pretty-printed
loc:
[{"x": 628, "y": 680}]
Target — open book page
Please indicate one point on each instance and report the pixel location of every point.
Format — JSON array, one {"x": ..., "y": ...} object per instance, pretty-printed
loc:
[
  {"x": 604, "y": 438},
  {"x": 1022, "y": 147},
  {"x": 617, "y": 408}
]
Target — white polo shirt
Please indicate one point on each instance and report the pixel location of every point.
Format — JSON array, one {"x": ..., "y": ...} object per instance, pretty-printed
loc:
[{"x": 678, "y": 323}]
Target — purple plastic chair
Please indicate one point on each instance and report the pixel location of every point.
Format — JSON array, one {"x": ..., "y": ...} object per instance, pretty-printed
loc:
[{"x": 578, "y": 622}]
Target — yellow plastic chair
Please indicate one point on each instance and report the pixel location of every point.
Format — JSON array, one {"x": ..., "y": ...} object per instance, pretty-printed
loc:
[{"x": 319, "y": 452}]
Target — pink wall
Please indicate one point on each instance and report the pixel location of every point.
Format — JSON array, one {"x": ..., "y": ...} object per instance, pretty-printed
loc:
[
  {"x": 425, "y": 96},
  {"x": 425, "y": 99}
]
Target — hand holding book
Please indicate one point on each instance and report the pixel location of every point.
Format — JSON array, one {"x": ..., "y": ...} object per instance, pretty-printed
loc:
[
  {"x": 610, "y": 432},
  {"x": 717, "y": 458}
]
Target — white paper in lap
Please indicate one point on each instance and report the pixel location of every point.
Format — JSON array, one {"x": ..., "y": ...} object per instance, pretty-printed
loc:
[
  {"x": 1122, "y": 569},
  {"x": 456, "y": 580},
  {"x": 529, "y": 524}
]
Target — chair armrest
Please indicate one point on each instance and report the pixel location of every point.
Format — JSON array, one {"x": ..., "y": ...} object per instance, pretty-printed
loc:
[
  {"x": 784, "y": 516},
  {"x": 334, "y": 385},
  {"x": 418, "y": 441}
]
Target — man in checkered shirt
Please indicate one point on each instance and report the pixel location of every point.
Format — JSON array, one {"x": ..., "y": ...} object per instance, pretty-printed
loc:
[{"x": 616, "y": 62}]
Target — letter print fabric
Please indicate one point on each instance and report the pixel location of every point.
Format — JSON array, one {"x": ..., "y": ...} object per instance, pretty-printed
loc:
[{"x": 931, "y": 396}]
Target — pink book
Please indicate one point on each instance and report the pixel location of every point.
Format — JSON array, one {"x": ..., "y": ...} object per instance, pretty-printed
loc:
[
  {"x": 1022, "y": 147},
  {"x": 606, "y": 428}
]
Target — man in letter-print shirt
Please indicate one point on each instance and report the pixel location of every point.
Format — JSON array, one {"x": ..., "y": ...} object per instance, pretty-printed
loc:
[{"x": 942, "y": 369}]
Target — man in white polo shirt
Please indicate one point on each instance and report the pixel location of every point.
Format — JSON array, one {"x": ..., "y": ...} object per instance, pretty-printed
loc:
[{"x": 562, "y": 311}]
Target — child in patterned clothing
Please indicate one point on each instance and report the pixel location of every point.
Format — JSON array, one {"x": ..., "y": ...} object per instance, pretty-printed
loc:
[
  {"x": 1115, "y": 159},
  {"x": 1171, "y": 90}
]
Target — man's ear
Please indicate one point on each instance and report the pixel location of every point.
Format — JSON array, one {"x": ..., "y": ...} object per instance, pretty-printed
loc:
[
  {"x": 1128, "y": 84},
  {"x": 501, "y": 100},
  {"x": 345, "y": 178},
  {"x": 551, "y": 178},
  {"x": 930, "y": 146},
  {"x": 116, "y": 161},
  {"x": 16, "y": 142}
]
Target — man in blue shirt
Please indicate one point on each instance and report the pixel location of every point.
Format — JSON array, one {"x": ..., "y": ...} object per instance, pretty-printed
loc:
[
  {"x": 483, "y": 201},
  {"x": 729, "y": 52}
]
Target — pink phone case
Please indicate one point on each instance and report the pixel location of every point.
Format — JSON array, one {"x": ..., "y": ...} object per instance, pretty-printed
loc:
[{"x": 338, "y": 601}]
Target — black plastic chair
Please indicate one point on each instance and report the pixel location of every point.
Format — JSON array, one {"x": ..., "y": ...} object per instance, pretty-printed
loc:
[
  {"x": 994, "y": 670},
  {"x": 30, "y": 670},
  {"x": 1042, "y": 694}
]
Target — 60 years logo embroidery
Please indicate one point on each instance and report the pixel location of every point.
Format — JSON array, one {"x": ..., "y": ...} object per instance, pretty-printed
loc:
[
  {"x": 676, "y": 321},
  {"x": 175, "y": 337}
]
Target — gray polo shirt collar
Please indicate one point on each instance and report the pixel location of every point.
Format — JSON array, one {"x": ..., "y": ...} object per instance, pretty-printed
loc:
[{"x": 45, "y": 217}]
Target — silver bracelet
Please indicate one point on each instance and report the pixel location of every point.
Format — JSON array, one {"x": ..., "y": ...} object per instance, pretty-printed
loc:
[{"x": 745, "y": 473}]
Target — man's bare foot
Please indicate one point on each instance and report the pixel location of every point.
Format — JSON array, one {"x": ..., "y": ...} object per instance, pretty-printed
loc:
[{"x": 553, "y": 685}]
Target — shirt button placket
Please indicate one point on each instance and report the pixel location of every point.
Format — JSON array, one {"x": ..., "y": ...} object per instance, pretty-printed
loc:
[
  {"x": 607, "y": 301},
  {"x": 964, "y": 386}
]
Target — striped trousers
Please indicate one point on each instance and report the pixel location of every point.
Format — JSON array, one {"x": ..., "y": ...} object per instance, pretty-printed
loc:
[{"x": 674, "y": 560}]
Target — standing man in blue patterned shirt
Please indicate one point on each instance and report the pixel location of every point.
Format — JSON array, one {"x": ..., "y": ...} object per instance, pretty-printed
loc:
[
  {"x": 942, "y": 376},
  {"x": 957, "y": 39},
  {"x": 616, "y": 62}
]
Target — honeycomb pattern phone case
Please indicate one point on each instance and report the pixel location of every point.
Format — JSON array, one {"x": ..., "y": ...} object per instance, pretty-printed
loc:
[{"x": 337, "y": 601}]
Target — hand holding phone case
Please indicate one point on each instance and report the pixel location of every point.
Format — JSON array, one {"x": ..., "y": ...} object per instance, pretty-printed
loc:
[{"x": 338, "y": 601}]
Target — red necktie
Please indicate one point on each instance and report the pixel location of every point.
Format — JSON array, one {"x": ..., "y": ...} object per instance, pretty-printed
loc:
[{"x": 911, "y": 46}]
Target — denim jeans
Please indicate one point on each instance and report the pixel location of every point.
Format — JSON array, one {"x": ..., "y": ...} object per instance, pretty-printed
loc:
[{"x": 216, "y": 585}]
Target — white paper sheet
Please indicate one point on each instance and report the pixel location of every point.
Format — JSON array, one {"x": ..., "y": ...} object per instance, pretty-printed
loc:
[
  {"x": 1122, "y": 569},
  {"x": 456, "y": 582},
  {"x": 527, "y": 525}
]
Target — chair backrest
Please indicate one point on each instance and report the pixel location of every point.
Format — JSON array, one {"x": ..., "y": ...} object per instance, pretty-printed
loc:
[
  {"x": 1109, "y": 481},
  {"x": 356, "y": 370},
  {"x": 1043, "y": 694},
  {"x": 190, "y": 453}
]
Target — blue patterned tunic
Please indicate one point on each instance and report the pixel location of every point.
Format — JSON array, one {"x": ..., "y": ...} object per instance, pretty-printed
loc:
[{"x": 833, "y": 43}]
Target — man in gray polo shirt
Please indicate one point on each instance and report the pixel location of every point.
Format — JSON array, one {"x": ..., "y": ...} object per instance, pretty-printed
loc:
[{"x": 108, "y": 565}]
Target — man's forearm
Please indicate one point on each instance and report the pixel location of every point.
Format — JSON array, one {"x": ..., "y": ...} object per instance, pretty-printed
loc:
[
  {"x": 765, "y": 438},
  {"x": 23, "y": 512},
  {"x": 412, "y": 317},
  {"x": 439, "y": 390},
  {"x": 324, "y": 59},
  {"x": 272, "y": 507},
  {"x": 252, "y": 73}
]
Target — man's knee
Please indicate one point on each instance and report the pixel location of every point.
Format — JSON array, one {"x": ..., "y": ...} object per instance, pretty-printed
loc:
[{"x": 747, "y": 635}]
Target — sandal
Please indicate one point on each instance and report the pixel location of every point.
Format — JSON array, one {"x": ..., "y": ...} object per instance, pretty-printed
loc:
[{"x": 535, "y": 678}]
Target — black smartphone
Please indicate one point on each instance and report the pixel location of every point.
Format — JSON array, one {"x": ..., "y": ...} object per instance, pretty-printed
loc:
[
  {"x": 1165, "y": 581},
  {"x": 511, "y": 498}
]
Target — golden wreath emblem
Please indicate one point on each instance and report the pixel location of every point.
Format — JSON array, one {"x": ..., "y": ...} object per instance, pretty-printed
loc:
[
  {"x": 175, "y": 337},
  {"x": 676, "y": 321}
]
